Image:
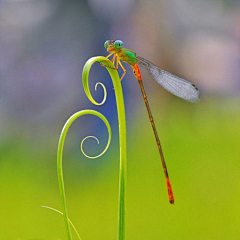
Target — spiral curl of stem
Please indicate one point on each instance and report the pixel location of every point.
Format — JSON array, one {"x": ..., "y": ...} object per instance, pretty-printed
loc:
[
  {"x": 104, "y": 92},
  {"x": 99, "y": 155}
]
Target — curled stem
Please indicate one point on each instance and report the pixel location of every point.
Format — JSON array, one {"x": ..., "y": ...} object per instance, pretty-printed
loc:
[
  {"x": 84, "y": 152},
  {"x": 59, "y": 159},
  {"x": 122, "y": 130},
  {"x": 122, "y": 140}
]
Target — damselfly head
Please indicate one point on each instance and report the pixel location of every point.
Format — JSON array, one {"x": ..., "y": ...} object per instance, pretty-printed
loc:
[{"x": 113, "y": 45}]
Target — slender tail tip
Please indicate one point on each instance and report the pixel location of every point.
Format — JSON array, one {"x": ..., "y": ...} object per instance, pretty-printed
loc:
[{"x": 170, "y": 192}]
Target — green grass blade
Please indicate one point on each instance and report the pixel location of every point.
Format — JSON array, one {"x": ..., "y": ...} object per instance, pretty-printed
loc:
[{"x": 68, "y": 220}]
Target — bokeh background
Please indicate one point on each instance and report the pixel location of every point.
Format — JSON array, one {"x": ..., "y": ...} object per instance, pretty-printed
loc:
[{"x": 43, "y": 48}]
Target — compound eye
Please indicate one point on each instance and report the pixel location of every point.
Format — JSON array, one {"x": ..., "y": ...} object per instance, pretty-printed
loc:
[
  {"x": 106, "y": 44},
  {"x": 118, "y": 44}
]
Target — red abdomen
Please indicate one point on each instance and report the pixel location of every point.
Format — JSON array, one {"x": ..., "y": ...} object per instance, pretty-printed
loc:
[{"x": 136, "y": 72}]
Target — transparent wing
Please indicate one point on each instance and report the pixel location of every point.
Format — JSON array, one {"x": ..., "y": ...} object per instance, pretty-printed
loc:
[{"x": 172, "y": 83}]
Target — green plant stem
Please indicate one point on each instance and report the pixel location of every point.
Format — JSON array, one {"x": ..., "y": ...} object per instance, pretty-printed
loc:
[
  {"x": 122, "y": 132},
  {"x": 59, "y": 159}
]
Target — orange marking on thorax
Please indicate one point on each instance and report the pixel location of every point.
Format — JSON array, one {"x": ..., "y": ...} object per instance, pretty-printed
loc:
[{"x": 136, "y": 72}]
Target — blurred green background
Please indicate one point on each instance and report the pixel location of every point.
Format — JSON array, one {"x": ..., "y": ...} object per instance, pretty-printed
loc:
[{"x": 43, "y": 47}]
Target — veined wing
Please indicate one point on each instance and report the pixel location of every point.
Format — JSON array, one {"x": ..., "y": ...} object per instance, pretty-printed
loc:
[{"x": 172, "y": 83}]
